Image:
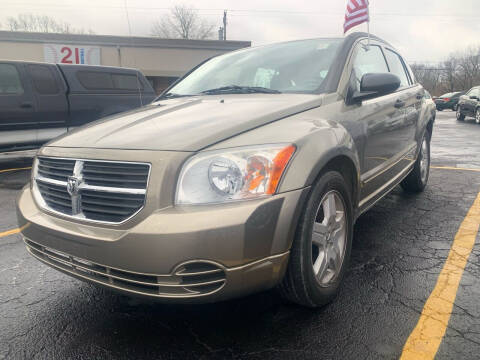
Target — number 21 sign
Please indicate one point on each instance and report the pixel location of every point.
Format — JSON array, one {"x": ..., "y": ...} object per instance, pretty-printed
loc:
[{"x": 72, "y": 54}]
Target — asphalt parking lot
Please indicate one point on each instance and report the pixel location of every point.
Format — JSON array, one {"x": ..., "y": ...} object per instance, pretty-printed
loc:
[{"x": 400, "y": 248}]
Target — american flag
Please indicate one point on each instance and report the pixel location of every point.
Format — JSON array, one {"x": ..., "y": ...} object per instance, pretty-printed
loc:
[{"x": 357, "y": 13}]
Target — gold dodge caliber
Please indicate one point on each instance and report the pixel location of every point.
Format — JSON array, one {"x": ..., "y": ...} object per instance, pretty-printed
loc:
[{"x": 246, "y": 174}]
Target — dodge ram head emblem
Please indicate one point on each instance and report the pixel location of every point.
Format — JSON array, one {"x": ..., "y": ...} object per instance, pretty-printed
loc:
[{"x": 73, "y": 184}]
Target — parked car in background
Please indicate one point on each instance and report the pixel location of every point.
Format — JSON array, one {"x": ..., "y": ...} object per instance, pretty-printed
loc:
[
  {"x": 39, "y": 101},
  {"x": 469, "y": 105},
  {"x": 249, "y": 173},
  {"x": 448, "y": 101}
]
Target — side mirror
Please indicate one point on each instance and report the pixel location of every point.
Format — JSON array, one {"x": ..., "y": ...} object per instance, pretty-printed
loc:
[
  {"x": 374, "y": 85},
  {"x": 474, "y": 97}
]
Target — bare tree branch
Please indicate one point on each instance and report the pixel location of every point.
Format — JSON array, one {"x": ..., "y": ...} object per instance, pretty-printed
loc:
[
  {"x": 460, "y": 72},
  {"x": 42, "y": 23},
  {"x": 183, "y": 23}
]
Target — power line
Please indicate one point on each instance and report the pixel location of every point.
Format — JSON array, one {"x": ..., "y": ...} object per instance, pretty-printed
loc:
[{"x": 237, "y": 12}]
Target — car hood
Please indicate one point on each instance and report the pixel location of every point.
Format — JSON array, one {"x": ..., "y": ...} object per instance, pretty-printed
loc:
[{"x": 187, "y": 124}]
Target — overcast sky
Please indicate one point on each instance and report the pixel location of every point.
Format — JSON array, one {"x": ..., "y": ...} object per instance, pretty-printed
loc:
[{"x": 423, "y": 30}]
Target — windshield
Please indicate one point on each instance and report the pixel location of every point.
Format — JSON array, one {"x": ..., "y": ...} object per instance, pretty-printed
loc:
[
  {"x": 293, "y": 67},
  {"x": 447, "y": 95}
]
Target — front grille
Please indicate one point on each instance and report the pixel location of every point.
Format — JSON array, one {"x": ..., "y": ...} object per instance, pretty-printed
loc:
[
  {"x": 191, "y": 279},
  {"x": 94, "y": 190},
  {"x": 121, "y": 175}
]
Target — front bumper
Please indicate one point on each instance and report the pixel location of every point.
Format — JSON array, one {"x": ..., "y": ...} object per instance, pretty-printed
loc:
[{"x": 180, "y": 254}]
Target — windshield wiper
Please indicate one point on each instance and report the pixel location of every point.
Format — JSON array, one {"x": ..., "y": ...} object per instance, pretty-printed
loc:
[
  {"x": 173, "y": 96},
  {"x": 236, "y": 89}
]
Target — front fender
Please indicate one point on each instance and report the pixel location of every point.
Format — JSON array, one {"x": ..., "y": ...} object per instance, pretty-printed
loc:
[{"x": 315, "y": 151}]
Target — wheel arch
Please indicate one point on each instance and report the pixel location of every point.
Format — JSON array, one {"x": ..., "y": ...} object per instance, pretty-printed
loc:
[{"x": 347, "y": 167}]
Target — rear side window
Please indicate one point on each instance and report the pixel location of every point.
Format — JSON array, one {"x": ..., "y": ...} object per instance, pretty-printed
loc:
[
  {"x": 396, "y": 67},
  {"x": 10, "y": 82},
  {"x": 96, "y": 80},
  {"x": 368, "y": 61},
  {"x": 126, "y": 82},
  {"x": 43, "y": 79}
]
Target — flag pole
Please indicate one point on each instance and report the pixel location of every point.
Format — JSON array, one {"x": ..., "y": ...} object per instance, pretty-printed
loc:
[{"x": 368, "y": 24}]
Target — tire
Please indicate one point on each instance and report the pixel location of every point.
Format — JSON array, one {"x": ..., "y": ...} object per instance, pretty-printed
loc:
[
  {"x": 417, "y": 180},
  {"x": 477, "y": 116},
  {"x": 439, "y": 109},
  {"x": 301, "y": 284},
  {"x": 454, "y": 107},
  {"x": 460, "y": 116}
]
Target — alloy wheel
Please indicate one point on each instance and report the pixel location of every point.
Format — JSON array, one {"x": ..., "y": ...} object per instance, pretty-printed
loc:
[
  {"x": 477, "y": 116},
  {"x": 329, "y": 238},
  {"x": 424, "y": 160},
  {"x": 458, "y": 113}
]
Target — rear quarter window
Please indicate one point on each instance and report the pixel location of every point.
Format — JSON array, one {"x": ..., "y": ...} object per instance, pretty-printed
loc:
[
  {"x": 126, "y": 82},
  {"x": 97, "y": 80}
]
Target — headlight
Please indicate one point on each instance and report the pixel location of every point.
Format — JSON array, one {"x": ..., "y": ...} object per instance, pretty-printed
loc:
[{"x": 232, "y": 174}]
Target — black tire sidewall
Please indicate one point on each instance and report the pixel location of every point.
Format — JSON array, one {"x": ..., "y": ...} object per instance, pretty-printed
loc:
[{"x": 329, "y": 181}]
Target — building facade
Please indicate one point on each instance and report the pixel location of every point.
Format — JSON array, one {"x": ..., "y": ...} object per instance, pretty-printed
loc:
[{"x": 162, "y": 61}]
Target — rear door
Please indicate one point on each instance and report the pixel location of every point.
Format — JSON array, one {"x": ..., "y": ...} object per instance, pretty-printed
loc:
[
  {"x": 51, "y": 101},
  {"x": 412, "y": 96}
]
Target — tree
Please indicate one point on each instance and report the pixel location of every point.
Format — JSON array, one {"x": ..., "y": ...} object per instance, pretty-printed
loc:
[
  {"x": 183, "y": 23},
  {"x": 450, "y": 73},
  {"x": 429, "y": 76},
  {"x": 469, "y": 67},
  {"x": 41, "y": 23}
]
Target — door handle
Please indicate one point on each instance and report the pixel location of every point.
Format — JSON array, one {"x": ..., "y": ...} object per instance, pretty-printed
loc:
[
  {"x": 399, "y": 103},
  {"x": 26, "y": 105}
]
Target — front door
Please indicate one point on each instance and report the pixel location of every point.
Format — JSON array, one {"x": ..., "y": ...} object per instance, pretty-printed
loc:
[
  {"x": 383, "y": 120},
  {"x": 471, "y": 101},
  {"x": 17, "y": 107}
]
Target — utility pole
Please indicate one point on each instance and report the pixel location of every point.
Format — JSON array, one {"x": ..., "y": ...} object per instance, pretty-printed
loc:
[{"x": 224, "y": 25}]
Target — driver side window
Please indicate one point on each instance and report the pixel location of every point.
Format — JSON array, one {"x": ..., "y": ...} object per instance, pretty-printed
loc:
[{"x": 368, "y": 60}]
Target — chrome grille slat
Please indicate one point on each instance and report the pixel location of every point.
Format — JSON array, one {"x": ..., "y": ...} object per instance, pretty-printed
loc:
[
  {"x": 104, "y": 209},
  {"x": 110, "y": 172},
  {"x": 172, "y": 285},
  {"x": 66, "y": 204},
  {"x": 104, "y": 191},
  {"x": 96, "y": 201},
  {"x": 52, "y": 191},
  {"x": 57, "y": 167}
]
